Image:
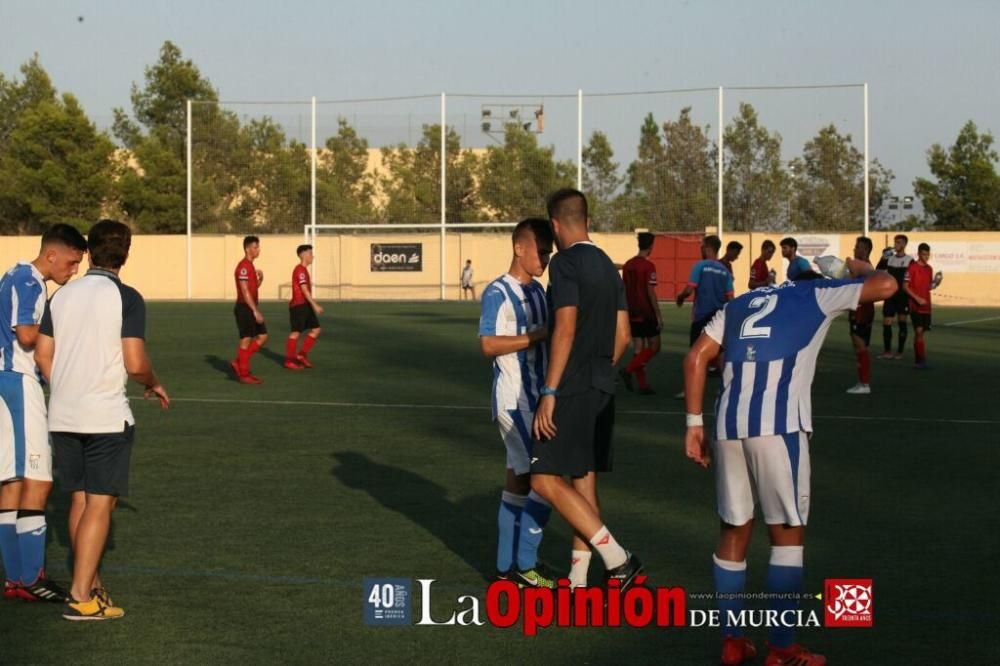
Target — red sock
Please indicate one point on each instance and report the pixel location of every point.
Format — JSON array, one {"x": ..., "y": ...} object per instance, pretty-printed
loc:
[
  {"x": 243, "y": 361},
  {"x": 919, "y": 350},
  {"x": 635, "y": 363},
  {"x": 254, "y": 347},
  {"x": 640, "y": 374},
  {"x": 290, "y": 344},
  {"x": 864, "y": 367},
  {"x": 307, "y": 344}
]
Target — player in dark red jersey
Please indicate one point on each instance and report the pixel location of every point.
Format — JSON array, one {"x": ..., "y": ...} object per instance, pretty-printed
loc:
[
  {"x": 303, "y": 313},
  {"x": 760, "y": 274},
  {"x": 919, "y": 282},
  {"x": 249, "y": 319},
  {"x": 861, "y": 326},
  {"x": 639, "y": 275},
  {"x": 897, "y": 307},
  {"x": 733, "y": 250}
]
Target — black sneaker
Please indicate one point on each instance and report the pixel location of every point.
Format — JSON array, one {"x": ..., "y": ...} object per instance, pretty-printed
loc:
[
  {"x": 626, "y": 573},
  {"x": 45, "y": 589},
  {"x": 502, "y": 575},
  {"x": 626, "y": 379}
]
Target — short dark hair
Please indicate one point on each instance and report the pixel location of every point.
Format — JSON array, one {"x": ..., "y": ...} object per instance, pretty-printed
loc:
[
  {"x": 300, "y": 249},
  {"x": 808, "y": 275},
  {"x": 713, "y": 242},
  {"x": 865, "y": 242},
  {"x": 64, "y": 234},
  {"x": 899, "y": 236},
  {"x": 923, "y": 247},
  {"x": 767, "y": 244},
  {"x": 568, "y": 205},
  {"x": 249, "y": 240},
  {"x": 790, "y": 242},
  {"x": 646, "y": 240},
  {"x": 539, "y": 227},
  {"x": 109, "y": 242},
  {"x": 734, "y": 245}
]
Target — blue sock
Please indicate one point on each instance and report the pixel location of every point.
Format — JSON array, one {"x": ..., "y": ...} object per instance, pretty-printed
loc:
[
  {"x": 8, "y": 545},
  {"x": 784, "y": 576},
  {"x": 508, "y": 520},
  {"x": 31, "y": 540},
  {"x": 730, "y": 578},
  {"x": 534, "y": 518}
]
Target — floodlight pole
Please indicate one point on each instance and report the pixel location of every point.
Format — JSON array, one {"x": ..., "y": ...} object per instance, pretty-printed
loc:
[
  {"x": 720, "y": 165},
  {"x": 866, "y": 161},
  {"x": 313, "y": 271},
  {"x": 579, "y": 139},
  {"x": 444, "y": 189},
  {"x": 188, "y": 148}
]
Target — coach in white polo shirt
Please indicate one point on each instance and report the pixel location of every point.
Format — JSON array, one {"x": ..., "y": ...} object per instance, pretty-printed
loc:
[{"x": 92, "y": 339}]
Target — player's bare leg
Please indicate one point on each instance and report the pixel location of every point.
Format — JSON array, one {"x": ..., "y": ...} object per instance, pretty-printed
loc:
[
  {"x": 919, "y": 350},
  {"x": 887, "y": 323},
  {"x": 581, "y": 554},
  {"x": 291, "y": 353},
  {"x": 88, "y": 546},
  {"x": 78, "y": 502}
]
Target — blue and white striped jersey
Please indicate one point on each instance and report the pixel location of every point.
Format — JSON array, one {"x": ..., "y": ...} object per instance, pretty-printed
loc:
[
  {"x": 22, "y": 303},
  {"x": 510, "y": 308},
  {"x": 771, "y": 337}
]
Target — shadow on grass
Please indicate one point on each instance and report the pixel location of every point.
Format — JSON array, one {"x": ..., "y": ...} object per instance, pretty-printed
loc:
[
  {"x": 221, "y": 365},
  {"x": 460, "y": 526}
]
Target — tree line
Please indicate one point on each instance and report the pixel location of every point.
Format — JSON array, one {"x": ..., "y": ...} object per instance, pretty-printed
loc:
[{"x": 55, "y": 165}]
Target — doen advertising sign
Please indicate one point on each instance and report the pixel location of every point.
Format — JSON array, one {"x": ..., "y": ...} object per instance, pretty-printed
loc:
[{"x": 397, "y": 257}]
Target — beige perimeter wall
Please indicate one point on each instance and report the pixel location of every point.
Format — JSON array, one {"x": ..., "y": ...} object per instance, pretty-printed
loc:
[{"x": 157, "y": 266}]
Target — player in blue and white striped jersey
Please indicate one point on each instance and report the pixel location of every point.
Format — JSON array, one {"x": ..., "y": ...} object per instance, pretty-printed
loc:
[
  {"x": 513, "y": 328},
  {"x": 25, "y": 452},
  {"x": 771, "y": 337}
]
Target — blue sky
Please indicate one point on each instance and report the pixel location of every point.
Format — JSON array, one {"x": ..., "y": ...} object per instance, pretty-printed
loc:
[{"x": 930, "y": 65}]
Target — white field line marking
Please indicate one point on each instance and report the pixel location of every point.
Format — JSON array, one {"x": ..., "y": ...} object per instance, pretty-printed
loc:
[
  {"x": 970, "y": 321},
  {"x": 633, "y": 412}
]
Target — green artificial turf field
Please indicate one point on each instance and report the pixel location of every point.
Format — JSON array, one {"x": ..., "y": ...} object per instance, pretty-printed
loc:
[{"x": 256, "y": 511}]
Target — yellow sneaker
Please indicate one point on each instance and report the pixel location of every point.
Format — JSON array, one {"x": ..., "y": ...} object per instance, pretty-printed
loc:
[{"x": 94, "y": 609}]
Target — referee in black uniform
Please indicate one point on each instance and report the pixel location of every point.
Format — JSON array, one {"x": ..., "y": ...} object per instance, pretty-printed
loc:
[{"x": 575, "y": 416}]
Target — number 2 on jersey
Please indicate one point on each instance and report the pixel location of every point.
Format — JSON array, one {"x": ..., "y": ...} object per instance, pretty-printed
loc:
[{"x": 749, "y": 329}]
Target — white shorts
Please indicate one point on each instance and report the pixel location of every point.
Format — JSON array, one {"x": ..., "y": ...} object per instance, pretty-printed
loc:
[
  {"x": 515, "y": 429},
  {"x": 772, "y": 471},
  {"x": 25, "y": 451}
]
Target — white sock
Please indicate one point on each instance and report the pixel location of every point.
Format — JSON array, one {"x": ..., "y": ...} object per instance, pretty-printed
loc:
[
  {"x": 579, "y": 564},
  {"x": 609, "y": 550}
]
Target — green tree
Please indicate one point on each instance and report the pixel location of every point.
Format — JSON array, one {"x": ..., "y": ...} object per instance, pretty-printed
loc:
[
  {"x": 412, "y": 180},
  {"x": 966, "y": 194},
  {"x": 55, "y": 167},
  {"x": 672, "y": 183},
  {"x": 756, "y": 187},
  {"x": 880, "y": 180},
  {"x": 344, "y": 189},
  {"x": 16, "y": 97},
  {"x": 828, "y": 184},
  {"x": 158, "y": 135},
  {"x": 518, "y": 175},
  {"x": 601, "y": 180}
]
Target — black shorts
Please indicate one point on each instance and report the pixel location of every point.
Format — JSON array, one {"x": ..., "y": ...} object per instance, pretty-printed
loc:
[
  {"x": 863, "y": 330},
  {"x": 245, "y": 322},
  {"x": 896, "y": 305},
  {"x": 646, "y": 328},
  {"x": 302, "y": 318},
  {"x": 584, "y": 423},
  {"x": 94, "y": 463},
  {"x": 921, "y": 320},
  {"x": 698, "y": 326}
]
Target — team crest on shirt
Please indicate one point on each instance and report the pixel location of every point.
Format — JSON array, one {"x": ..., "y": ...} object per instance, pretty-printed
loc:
[
  {"x": 751, "y": 353},
  {"x": 33, "y": 461}
]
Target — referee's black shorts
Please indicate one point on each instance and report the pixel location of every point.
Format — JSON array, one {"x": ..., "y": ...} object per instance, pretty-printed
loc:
[
  {"x": 584, "y": 424},
  {"x": 302, "y": 318},
  {"x": 97, "y": 464},
  {"x": 245, "y": 322}
]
